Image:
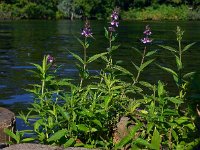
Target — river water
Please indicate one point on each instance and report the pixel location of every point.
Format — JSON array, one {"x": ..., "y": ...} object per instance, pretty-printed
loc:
[{"x": 22, "y": 42}]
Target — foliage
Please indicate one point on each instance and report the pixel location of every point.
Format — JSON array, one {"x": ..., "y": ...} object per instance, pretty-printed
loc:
[
  {"x": 86, "y": 114},
  {"x": 99, "y": 9}
]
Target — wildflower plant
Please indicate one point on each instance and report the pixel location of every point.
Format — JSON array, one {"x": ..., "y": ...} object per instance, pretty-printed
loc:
[{"x": 87, "y": 114}]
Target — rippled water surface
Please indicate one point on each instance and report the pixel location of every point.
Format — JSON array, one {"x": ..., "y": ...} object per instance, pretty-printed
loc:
[{"x": 22, "y": 42}]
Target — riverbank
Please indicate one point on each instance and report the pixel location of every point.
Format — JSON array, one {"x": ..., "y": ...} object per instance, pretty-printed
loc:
[
  {"x": 162, "y": 12},
  {"x": 154, "y": 12}
]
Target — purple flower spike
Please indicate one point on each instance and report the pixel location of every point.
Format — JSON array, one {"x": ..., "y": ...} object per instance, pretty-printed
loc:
[
  {"x": 50, "y": 59},
  {"x": 147, "y": 32},
  {"x": 87, "y": 31},
  {"x": 114, "y": 20}
]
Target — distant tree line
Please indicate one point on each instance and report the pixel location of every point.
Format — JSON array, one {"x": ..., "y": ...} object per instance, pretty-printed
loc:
[{"x": 97, "y": 9}]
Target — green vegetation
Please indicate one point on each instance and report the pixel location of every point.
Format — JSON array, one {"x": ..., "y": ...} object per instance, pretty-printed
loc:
[
  {"x": 99, "y": 9},
  {"x": 86, "y": 114}
]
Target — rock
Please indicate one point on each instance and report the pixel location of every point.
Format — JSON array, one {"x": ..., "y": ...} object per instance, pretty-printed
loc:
[
  {"x": 29, "y": 146},
  {"x": 7, "y": 120}
]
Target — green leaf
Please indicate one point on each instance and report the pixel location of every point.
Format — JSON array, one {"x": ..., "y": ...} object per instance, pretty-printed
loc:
[
  {"x": 136, "y": 67},
  {"x": 156, "y": 140},
  {"x": 28, "y": 140},
  {"x": 190, "y": 125},
  {"x": 69, "y": 142},
  {"x": 77, "y": 57},
  {"x": 161, "y": 90},
  {"x": 149, "y": 127},
  {"x": 178, "y": 63},
  {"x": 129, "y": 137},
  {"x": 11, "y": 134},
  {"x": 83, "y": 127},
  {"x": 115, "y": 47},
  {"x": 81, "y": 42},
  {"x": 145, "y": 64},
  {"x": 188, "y": 75},
  {"x": 37, "y": 124},
  {"x": 188, "y": 46},
  {"x": 142, "y": 142},
  {"x": 138, "y": 51},
  {"x": 91, "y": 59},
  {"x": 146, "y": 84},
  {"x": 150, "y": 53},
  {"x": 168, "y": 48},
  {"x": 122, "y": 69},
  {"x": 168, "y": 70},
  {"x": 56, "y": 136},
  {"x": 37, "y": 66},
  {"x": 176, "y": 100},
  {"x": 97, "y": 122},
  {"x": 63, "y": 112},
  {"x": 174, "y": 135},
  {"x": 106, "y": 33},
  {"x": 182, "y": 120}
]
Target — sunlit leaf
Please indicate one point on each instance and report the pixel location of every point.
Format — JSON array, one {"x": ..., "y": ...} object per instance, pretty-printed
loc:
[
  {"x": 122, "y": 69},
  {"x": 69, "y": 142},
  {"x": 156, "y": 140},
  {"x": 168, "y": 70},
  {"x": 145, "y": 64},
  {"x": 56, "y": 136},
  {"x": 93, "y": 58}
]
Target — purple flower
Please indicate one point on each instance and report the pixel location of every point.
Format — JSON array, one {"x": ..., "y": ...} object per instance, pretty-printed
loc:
[
  {"x": 87, "y": 31},
  {"x": 147, "y": 32},
  {"x": 146, "y": 40},
  {"x": 50, "y": 59},
  {"x": 114, "y": 20}
]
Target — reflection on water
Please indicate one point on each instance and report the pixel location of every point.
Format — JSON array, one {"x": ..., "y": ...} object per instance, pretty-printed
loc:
[{"x": 22, "y": 42}]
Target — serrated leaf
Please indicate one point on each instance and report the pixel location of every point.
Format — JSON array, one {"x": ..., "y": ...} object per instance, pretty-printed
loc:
[
  {"x": 77, "y": 57},
  {"x": 168, "y": 70},
  {"x": 156, "y": 140},
  {"x": 82, "y": 127},
  {"x": 188, "y": 46},
  {"x": 122, "y": 69},
  {"x": 150, "y": 53},
  {"x": 145, "y": 64},
  {"x": 93, "y": 58},
  {"x": 128, "y": 138},
  {"x": 56, "y": 136},
  {"x": 168, "y": 48}
]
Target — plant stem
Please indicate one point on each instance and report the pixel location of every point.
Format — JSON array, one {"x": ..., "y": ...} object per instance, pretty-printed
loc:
[{"x": 142, "y": 61}]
